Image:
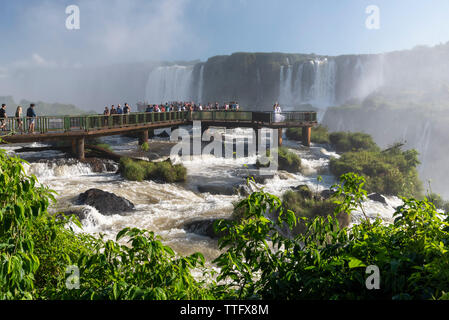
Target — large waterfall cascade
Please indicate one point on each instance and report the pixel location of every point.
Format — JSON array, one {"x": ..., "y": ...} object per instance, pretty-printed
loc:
[{"x": 170, "y": 83}]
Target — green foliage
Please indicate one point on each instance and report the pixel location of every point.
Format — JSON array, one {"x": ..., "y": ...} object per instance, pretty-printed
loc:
[
  {"x": 319, "y": 134},
  {"x": 22, "y": 204},
  {"x": 36, "y": 249},
  {"x": 305, "y": 204},
  {"x": 145, "y": 147},
  {"x": 143, "y": 269},
  {"x": 141, "y": 170},
  {"x": 438, "y": 202},
  {"x": 329, "y": 262},
  {"x": 352, "y": 141},
  {"x": 326, "y": 261},
  {"x": 391, "y": 172},
  {"x": 286, "y": 159}
]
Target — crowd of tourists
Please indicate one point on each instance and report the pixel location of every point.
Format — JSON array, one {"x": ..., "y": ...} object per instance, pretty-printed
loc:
[
  {"x": 192, "y": 106},
  {"x": 30, "y": 118},
  {"x": 172, "y": 106}
]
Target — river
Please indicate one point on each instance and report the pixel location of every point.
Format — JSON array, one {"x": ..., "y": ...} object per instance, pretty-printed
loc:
[{"x": 164, "y": 208}]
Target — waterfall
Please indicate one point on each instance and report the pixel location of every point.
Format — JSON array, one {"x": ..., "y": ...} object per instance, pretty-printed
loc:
[
  {"x": 324, "y": 82},
  {"x": 285, "y": 91},
  {"x": 200, "y": 85},
  {"x": 314, "y": 83},
  {"x": 169, "y": 83}
]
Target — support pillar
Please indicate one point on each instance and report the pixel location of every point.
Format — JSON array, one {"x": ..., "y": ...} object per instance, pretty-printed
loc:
[
  {"x": 280, "y": 137},
  {"x": 257, "y": 142},
  {"x": 80, "y": 148},
  {"x": 143, "y": 137},
  {"x": 74, "y": 147},
  {"x": 306, "y": 133},
  {"x": 150, "y": 133}
]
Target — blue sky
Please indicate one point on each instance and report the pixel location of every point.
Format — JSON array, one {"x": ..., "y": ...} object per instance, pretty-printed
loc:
[{"x": 33, "y": 32}]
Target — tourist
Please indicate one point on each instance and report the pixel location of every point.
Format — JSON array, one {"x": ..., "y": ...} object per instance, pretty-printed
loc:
[
  {"x": 126, "y": 112},
  {"x": 149, "y": 108},
  {"x": 278, "y": 117},
  {"x": 106, "y": 114},
  {"x": 126, "y": 109},
  {"x": 119, "y": 109},
  {"x": 3, "y": 117},
  {"x": 31, "y": 115},
  {"x": 19, "y": 118}
]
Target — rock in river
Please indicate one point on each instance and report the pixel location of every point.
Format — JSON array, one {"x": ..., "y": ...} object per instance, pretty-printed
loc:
[
  {"x": 377, "y": 197},
  {"x": 203, "y": 227},
  {"x": 105, "y": 202}
]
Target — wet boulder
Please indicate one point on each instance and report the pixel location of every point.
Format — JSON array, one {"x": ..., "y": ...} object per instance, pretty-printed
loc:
[
  {"x": 105, "y": 202},
  {"x": 203, "y": 227},
  {"x": 326, "y": 194},
  {"x": 222, "y": 189},
  {"x": 377, "y": 197},
  {"x": 304, "y": 191}
]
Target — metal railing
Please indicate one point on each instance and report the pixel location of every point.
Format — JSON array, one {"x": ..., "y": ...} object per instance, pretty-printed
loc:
[{"x": 48, "y": 124}]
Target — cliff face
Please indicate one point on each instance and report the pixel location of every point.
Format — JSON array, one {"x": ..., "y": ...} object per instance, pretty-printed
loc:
[{"x": 255, "y": 80}]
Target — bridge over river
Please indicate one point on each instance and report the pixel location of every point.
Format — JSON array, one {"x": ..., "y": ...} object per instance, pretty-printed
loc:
[{"x": 78, "y": 128}]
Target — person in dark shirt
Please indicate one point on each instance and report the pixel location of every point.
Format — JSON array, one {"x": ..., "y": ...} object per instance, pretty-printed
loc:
[
  {"x": 150, "y": 108},
  {"x": 31, "y": 115},
  {"x": 126, "y": 109},
  {"x": 3, "y": 117}
]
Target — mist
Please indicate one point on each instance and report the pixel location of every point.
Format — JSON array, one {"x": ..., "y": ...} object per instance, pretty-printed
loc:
[{"x": 105, "y": 61}]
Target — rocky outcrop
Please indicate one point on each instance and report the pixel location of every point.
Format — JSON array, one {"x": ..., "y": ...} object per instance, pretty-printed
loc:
[
  {"x": 105, "y": 202},
  {"x": 304, "y": 191},
  {"x": 377, "y": 197},
  {"x": 212, "y": 188},
  {"x": 204, "y": 227}
]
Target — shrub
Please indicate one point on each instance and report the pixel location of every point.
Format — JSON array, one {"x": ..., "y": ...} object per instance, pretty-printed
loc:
[
  {"x": 352, "y": 141},
  {"x": 307, "y": 205},
  {"x": 319, "y": 134},
  {"x": 145, "y": 147},
  {"x": 132, "y": 171},
  {"x": 144, "y": 170},
  {"x": 288, "y": 160},
  {"x": 329, "y": 262},
  {"x": 438, "y": 202},
  {"x": 391, "y": 172},
  {"x": 36, "y": 249}
]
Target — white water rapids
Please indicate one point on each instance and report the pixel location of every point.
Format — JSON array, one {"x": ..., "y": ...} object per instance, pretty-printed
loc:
[{"x": 164, "y": 208}]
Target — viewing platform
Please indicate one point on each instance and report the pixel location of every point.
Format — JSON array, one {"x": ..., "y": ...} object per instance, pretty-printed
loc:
[{"x": 77, "y": 128}]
